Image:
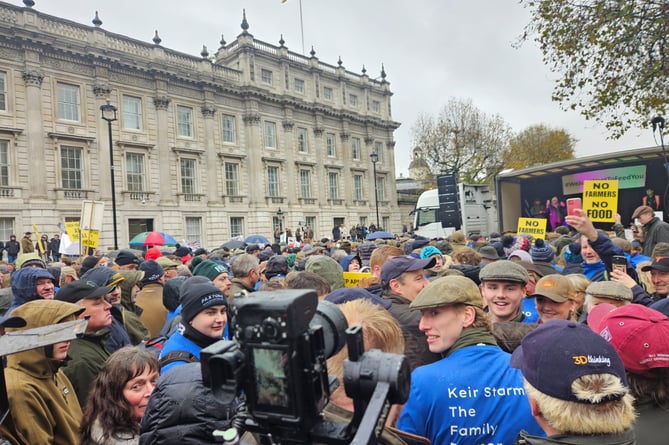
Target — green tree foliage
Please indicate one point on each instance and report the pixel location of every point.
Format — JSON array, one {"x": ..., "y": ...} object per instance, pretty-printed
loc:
[
  {"x": 612, "y": 56},
  {"x": 537, "y": 145},
  {"x": 462, "y": 139}
]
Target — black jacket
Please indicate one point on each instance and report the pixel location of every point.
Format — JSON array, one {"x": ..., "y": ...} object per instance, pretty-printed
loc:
[{"x": 182, "y": 411}]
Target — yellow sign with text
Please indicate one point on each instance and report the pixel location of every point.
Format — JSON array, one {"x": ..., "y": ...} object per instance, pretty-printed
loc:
[
  {"x": 90, "y": 238},
  {"x": 600, "y": 200},
  {"x": 532, "y": 226},
  {"x": 72, "y": 229},
  {"x": 351, "y": 278}
]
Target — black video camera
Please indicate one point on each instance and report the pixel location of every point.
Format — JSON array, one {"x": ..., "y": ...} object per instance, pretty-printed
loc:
[{"x": 277, "y": 358}]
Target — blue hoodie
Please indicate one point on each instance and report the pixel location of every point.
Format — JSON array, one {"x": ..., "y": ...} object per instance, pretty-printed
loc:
[{"x": 24, "y": 284}]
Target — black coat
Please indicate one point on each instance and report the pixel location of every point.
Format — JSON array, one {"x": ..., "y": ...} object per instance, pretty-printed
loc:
[{"x": 182, "y": 411}]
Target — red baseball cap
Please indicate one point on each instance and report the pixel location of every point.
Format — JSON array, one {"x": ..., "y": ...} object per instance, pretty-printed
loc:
[{"x": 639, "y": 334}]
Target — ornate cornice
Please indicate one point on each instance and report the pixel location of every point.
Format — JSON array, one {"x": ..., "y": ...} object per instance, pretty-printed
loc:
[
  {"x": 161, "y": 102},
  {"x": 101, "y": 90},
  {"x": 33, "y": 78},
  {"x": 208, "y": 111}
]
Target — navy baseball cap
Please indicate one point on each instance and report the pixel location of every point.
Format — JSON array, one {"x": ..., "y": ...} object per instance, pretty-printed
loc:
[
  {"x": 557, "y": 353},
  {"x": 396, "y": 266}
]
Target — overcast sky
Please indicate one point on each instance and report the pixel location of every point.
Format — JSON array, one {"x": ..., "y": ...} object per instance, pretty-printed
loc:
[{"x": 432, "y": 50}]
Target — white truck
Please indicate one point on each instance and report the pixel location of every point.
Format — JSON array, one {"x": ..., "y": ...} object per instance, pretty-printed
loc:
[{"x": 476, "y": 208}]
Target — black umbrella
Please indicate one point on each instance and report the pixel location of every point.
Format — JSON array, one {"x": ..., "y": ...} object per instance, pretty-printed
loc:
[{"x": 233, "y": 244}]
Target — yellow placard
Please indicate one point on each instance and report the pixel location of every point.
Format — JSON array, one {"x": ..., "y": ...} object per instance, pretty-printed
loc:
[
  {"x": 72, "y": 229},
  {"x": 600, "y": 200},
  {"x": 39, "y": 241},
  {"x": 90, "y": 238},
  {"x": 536, "y": 227},
  {"x": 351, "y": 278}
]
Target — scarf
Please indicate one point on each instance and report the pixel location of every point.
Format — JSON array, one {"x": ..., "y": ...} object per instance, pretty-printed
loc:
[{"x": 471, "y": 337}]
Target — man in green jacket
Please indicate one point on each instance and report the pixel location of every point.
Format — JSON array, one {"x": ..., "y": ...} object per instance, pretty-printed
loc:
[{"x": 87, "y": 353}]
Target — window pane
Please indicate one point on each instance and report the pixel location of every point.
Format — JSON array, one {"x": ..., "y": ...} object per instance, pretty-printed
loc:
[
  {"x": 194, "y": 229},
  {"x": 229, "y": 134},
  {"x": 185, "y": 121},
  {"x": 134, "y": 163},
  {"x": 357, "y": 187},
  {"x": 381, "y": 188},
  {"x": 327, "y": 93},
  {"x": 302, "y": 140},
  {"x": 4, "y": 164},
  {"x": 273, "y": 181},
  {"x": 236, "y": 226},
  {"x": 330, "y": 144},
  {"x": 6, "y": 228},
  {"x": 270, "y": 134},
  {"x": 299, "y": 85},
  {"x": 3, "y": 94},
  {"x": 378, "y": 148},
  {"x": 68, "y": 102},
  {"x": 305, "y": 184},
  {"x": 353, "y": 100},
  {"x": 132, "y": 113},
  {"x": 188, "y": 176},
  {"x": 376, "y": 106},
  {"x": 333, "y": 180},
  {"x": 231, "y": 179},
  {"x": 266, "y": 76},
  {"x": 70, "y": 162},
  {"x": 355, "y": 148}
]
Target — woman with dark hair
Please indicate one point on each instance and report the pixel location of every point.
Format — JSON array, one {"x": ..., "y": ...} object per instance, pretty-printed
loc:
[{"x": 119, "y": 397}]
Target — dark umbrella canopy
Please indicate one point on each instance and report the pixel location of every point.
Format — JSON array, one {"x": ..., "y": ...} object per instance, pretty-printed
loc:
[
  {"x": 256, "y": 239},
  {"x": 379, "y": 235},
  {"x": 233, "y": 244}
]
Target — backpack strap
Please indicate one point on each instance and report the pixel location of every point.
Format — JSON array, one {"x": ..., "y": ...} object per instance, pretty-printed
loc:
[{"x": 177, "y": 356}]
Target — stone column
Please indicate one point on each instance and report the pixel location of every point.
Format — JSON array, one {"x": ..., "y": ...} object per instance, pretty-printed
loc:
[
  {"x": 35, "y": 131},
  {"x": 213, "y": 194},
  {"x": 164, "y": 158}
]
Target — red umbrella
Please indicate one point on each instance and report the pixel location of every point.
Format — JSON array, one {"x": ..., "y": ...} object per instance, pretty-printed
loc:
[{"x": 152, "y": 239}]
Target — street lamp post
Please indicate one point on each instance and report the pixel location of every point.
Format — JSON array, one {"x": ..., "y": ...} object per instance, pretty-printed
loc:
[
  {"x": 375, "y": 158},
  {"x": 109, "y": 114}
]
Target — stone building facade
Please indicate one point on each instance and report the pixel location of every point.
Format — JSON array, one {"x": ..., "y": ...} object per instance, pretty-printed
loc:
[{"x": 205, "y": 148}]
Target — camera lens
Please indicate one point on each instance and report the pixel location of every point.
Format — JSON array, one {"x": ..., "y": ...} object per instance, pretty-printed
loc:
[
  {"x": 271, "y": 329},
  {"x": 334, "y": 324}
]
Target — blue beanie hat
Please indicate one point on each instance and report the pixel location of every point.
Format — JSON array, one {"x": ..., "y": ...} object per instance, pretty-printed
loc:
[
  {"x": 541, "y": 252},
  {"x": 429, "y": 251}
]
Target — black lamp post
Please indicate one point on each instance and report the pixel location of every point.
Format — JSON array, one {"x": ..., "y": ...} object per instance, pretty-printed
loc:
[
  {"x": 109, "y": 114},
  {"x": 375, "y": 158},
  {"x": 279, "y": 214}
]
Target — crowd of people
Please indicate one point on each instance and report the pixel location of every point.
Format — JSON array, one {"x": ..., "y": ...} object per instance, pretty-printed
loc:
[{"x": 509, "y": 339}]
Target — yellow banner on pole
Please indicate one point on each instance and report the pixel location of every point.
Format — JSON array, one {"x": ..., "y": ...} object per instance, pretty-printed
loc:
[
  {"x": 532, "y": 226},
  {"x": 39, "y": 241},
  {"x": 600, "y": 200}
]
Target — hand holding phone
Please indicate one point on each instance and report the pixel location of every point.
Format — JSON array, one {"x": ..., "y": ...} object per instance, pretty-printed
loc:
[
  {"x": 619, "y": 262},
  {"x": 573, "y": 204}
]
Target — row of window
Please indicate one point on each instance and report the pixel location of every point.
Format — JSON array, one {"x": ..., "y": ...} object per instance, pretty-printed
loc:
[
  {"x": 72, "y": 175},
  {"x": 267, "y": 77},
  {"x": 69, "y": 109}
]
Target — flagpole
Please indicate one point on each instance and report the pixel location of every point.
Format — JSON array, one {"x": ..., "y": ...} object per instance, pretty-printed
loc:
[{"x": 302, "y": 27}]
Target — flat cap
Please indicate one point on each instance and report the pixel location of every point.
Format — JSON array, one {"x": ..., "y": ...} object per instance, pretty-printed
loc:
[
  {"x": 641, "y": 210},
  {"x": 504, "y": 270},
  {"x": 450, "y": 289},
  {"x": 609, "y": 289}
]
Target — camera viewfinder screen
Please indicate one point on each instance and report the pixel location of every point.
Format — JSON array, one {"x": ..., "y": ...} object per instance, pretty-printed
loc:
[{"x": 271, "y": 380}]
